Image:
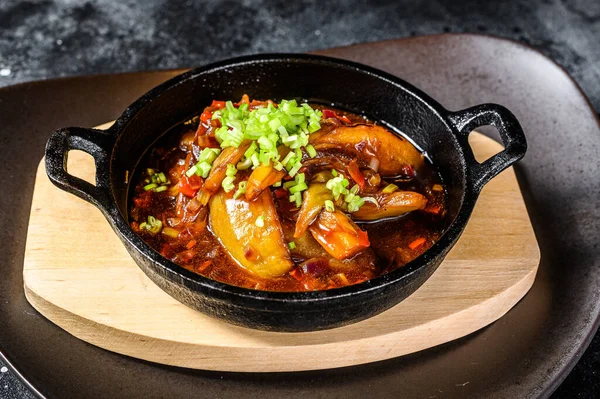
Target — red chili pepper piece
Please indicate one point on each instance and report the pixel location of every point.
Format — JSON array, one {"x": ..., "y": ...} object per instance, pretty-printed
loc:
[
  {"x": 280, "y": 193},
  {"x": 296, "y": 274},
  {"x": 416, "y": 243},
  {"x": 327, "y": 113},
  {"x": 202, "y": 267},
  {"x": 408, "y": 171},
  {"x": 189, "y": 186},
  {"x": 356, "y": 174},
  {"x": 217, "y": 104},
  {"x": 205, "y": 117}
]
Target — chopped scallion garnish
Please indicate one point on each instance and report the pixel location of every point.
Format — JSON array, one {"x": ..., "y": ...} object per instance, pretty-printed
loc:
[
  {"x": 339, "y": 187},
  {"x": 170, "y": 232},
  {"x": 191, "y": 171},
  {"x": 231, "y": 170},
  {"x": 329, "y": 206},
  {"x": 241, "y": 189},
  {"x": 268, "y": 127},
  {"x": 205, "y": 159},
  {"x": 228, "y": 183},
  {"x": 245, "y": 164},
  {"x": 390, "y": 188},
  {"x": 311, "y": 151},
  {"x": 153, "y": 225},
  {"x": 298, "y": 188}
]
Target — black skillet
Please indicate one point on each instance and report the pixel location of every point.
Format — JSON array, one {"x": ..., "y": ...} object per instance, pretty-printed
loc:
[{"x": 441, "y": 133}]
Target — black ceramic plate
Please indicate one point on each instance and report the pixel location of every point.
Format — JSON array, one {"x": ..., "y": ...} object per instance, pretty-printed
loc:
[{"x": 526, "y": 353}]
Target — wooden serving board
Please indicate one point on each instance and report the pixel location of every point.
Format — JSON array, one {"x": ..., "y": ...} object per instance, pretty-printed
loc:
[{"x": 78, "y": 274}]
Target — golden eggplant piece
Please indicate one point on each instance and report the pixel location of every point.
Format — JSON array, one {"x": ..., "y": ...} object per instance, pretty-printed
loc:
[
  {"x": 340, "y": 237},
  {"x": 368, "y": 142},
  {"x": 251, "y": 233},
  {"x": 261, "y": 178},
  {"x": 389, "y": 205},
  {"x": 312, "y": 204}
]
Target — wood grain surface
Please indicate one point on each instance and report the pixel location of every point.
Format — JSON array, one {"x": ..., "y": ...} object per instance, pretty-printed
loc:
[{"x": 78, "y": 274}]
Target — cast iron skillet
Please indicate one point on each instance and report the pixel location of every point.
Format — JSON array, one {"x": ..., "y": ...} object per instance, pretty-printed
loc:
[{"x": 441, "y": 133}]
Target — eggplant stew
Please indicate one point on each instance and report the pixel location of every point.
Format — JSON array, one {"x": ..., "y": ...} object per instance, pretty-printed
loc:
[{"x": 286, "y": 196}]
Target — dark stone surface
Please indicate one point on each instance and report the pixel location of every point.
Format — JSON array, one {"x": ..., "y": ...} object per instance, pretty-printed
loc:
[{"x": 45, "y": 39}]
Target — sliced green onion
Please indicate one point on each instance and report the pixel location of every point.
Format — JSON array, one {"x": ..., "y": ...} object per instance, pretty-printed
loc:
[
  {"x": 205, "y": 159},
  {"x": 170, "y": 232},
  {"x": 329, "y": 205},
  {"x": 334, "y": 172},
  {"x": 203, "y": 169},
  {"x": 245, "y": 164},
  {"x": 150, "y": 186},
  {"x": 355, "y": 203},
  {"x": 288, "y": 184},
  {"x": 260, "y": 221},
  {"x": 160, "y": 189},
  {"x": 295, "y": 169},
  {"x": 337, "y": 186},
  {"x": 208, "y": 155},
  {"x": 254, "y": 159},
  {"x": 291, "y": 245},
  {"x": 298, "y": 188},
  {"x": 288, "y": 158},
  {"x": 298, "y": 199},
  {"x": 241, "y": 189},
  {"x": 251, "y": 150},
  {"x": 311, "y": 151},
  {"x": 191, "y": 171},
  {"x": 231, "y": 170},
  {"x": 153, "y": 226},
  {"x": 390, "y": 188},
  {"x": 264, "y": 158},
  {"x": 265, "y": 143},
  {"x": 287, "y": 123},
  {"x": 228, "y": 183},
  {"x": 150, "y": 171}
]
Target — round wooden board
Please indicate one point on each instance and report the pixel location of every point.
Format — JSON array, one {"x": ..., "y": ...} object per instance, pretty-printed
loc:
[{"x": 78, "y": 274}]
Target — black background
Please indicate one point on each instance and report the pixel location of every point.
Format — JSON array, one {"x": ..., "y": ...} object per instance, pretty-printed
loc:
[{"x": 46, "y": 39}]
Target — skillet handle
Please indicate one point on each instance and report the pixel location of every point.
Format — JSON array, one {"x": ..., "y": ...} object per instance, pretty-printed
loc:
[
  {"x": 513, "y": 139},
  {"x": 98, "y": 144}
]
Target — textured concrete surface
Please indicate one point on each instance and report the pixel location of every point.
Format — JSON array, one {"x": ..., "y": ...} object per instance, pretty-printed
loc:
[{"x": 50, "y": 38}]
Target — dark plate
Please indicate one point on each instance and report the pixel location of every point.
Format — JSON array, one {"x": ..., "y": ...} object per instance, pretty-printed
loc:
[{"x": 526, "y": 353}]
